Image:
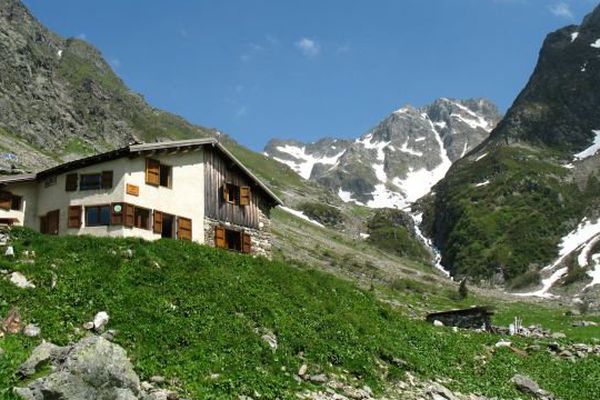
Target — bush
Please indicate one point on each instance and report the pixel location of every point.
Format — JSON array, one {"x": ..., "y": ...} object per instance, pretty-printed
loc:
[{"x": 528, "y": 279}]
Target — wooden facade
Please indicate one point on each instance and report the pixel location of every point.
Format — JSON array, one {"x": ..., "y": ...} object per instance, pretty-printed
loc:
[{"x": 220, "y": 171}]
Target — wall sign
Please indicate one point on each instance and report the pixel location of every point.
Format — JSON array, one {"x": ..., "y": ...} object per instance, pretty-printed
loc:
[{"x": 133, "y": 190}]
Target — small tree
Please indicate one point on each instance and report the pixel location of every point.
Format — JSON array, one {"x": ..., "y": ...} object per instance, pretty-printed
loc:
[{"x": 463, "y": 292}]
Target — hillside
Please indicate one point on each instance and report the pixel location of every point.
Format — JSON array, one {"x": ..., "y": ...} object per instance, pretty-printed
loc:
[
  {"x": 195, "y": 315},
  {"x": 503, "y": 212}
]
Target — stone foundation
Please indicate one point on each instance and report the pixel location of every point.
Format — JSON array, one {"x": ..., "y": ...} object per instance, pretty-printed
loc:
[{"x": 262, "y": 239}]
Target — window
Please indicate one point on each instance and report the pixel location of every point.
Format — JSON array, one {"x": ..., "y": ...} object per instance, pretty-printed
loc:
[
  {"x": 97, "y": 215},
  {"x": 50, "y": 181},
  {"x": 90, "y": 182},
  {"x": 158, "y": 174},
  {"x": 71, "y": 183},
  {"x": 165, "y": 175},
  {"x": 101, "y": 180},
  {"x": 9, "y": 201},
  {"x": 232, "y": 240},
  {"x": 234, "y": 194},
  {"x": 141, "y": 218}
]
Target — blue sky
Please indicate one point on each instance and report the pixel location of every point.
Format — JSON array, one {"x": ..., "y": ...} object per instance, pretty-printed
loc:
[{"x": 259, "y": 69}]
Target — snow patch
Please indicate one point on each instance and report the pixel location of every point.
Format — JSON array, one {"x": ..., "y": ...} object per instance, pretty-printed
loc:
[
  {"x": 484, "y": 183},
  {"x": 590, "y": 151},
  {"x": 59, "y": 53},
  {"x": 437, "y": 257},
  {"x": 481, "y": 157},
  {"x": 465, "y": 148},
  {"x": 420, "y": 139},
  {"x": 580, "y": 238},
  {"x": 574, "y": 36},
  {"x": 596, "y": 44},
  {"x": 364, "y": 235},
  {"x": 301, "y": 215},
  {"x": 304, "y": 162},
  {"x": 406, "y": 149}
]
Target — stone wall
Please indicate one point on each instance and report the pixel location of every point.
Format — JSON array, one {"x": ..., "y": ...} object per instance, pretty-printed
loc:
[{"x": 262, "y": 239}]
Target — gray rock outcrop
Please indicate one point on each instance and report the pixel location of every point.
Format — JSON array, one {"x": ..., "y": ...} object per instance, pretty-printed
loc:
[{"x": 92, "y": 368}]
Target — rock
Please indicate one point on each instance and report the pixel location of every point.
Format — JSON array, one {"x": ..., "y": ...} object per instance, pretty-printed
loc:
[
  {"x": 320, "y": 378},
  {"x": 158, "y": 379},
  {"x": 18, "y": 279},
  {"x": 128, "y": 254},
  {"x": 439, "y": 392},
  {"x": 438, "y": 323},
  {"x": 584, "y": 323},
  {"x": 31, "y": 330},
  {"x": 92, "y": 368},
  {"x": 528, "y": 386},
  {"x": 9, "y": 252},
  {"x": 12, "y": 323},
  {"x": 558, "y": 335},
  {"x": 302, "y": 370},
  {"x": 503, "y": 343},
  {"x": 40, "y": 355},
  {"x": 100, "y": 320},
  {"x": 271, "y": 340},
  {"x": 88, "y": 326}
]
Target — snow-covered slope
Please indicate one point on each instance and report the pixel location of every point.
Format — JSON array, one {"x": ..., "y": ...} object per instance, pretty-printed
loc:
[
  {"x": 579, "y": 245},
  {"x": 400, "y": 159}
]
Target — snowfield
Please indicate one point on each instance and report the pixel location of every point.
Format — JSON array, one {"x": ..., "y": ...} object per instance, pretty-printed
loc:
[
  {"x": 301, "y": 215},
  {"x": 305, "y": 162},
  {"x": 590, "y": 151}
]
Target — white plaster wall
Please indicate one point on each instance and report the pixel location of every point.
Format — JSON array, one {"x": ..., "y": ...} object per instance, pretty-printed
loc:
[
  {"x": 185, "y": 198},
  {"x": 26, "y": 215}
]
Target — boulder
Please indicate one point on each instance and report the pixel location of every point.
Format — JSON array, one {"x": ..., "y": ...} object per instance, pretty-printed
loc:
[
  {"x": 530, "y": 387},
  {"x": 31, "y": 330},
  {"x": 19, "y": 280},
  {"x": 92, "y": 368}
]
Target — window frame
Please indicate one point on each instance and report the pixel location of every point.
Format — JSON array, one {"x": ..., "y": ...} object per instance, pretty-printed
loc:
[{"x": 98, "y": 175}]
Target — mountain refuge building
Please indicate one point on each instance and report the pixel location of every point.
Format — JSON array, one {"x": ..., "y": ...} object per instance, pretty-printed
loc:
[{"x": 192, "y": 190}]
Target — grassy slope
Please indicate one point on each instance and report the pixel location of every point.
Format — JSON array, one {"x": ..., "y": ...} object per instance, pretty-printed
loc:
[{"x": 196, "y": 314}]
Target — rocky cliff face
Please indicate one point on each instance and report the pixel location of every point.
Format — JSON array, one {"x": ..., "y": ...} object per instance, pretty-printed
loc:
[
  {"x": 59, "y": 99},
  {"x": 522, "y": 206},
  {"x": 400, "y": 159}
]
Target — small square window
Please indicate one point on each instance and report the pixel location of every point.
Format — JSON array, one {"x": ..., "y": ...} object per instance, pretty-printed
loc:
[{"x": 90, "y": 182}]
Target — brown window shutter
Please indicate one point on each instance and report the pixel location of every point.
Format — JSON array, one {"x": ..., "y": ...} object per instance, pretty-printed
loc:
[
  {"x": 44, "y": 224},
  {"x": 220, "y": 237},
  {"x": 107, "y": 179},
  {"x": 116, "y": 217},
  {"x": 5, "y": 200},
  {"x": 158, "y": 222},
  {"x": 225, "y": 192},
  {"x": 129, "y": 211},
  {"x": 246, "y": 243},
  {"x": 184, "y": 228},
  {"x": 71, "y": 183},
  {"x": 245, "y": 195},
  {"x": 152, "y": 172},
  {"x": 75, "y": 213}
]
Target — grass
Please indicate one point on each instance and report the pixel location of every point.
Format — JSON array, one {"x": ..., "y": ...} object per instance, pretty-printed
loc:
[{"x": 196, "y": 313}]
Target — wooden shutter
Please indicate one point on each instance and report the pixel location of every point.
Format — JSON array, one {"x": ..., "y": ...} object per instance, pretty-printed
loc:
[
  {"x": 75, "y": 213},
  {"x": 53, "y": 221},
  {"x": 152, "y": 172},
  {"x": 158, "y": 222},
  {"x": 129, "y": 212},
  {"x": 5, "y": 200},
  {"x": 116, "y": 217},
  {"x": 107, "y": 179},
  {"x": 245, "y": 195},
  {"x": 220, "y": 237},
  {"x": 184, "y": 228},
  {"x": 71, "y": 183},
  {"x": 225, "y": 192},
  {"x": 246, "y": 243}
]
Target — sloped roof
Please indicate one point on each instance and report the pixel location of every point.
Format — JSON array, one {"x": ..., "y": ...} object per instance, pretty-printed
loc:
[{"x": 140, "y": 148}]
